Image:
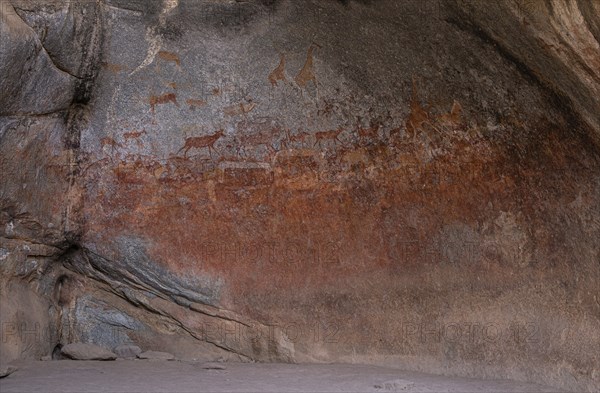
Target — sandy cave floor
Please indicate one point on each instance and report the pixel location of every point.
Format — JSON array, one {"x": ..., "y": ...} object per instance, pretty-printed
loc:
[{"x": 174, "y": 376}]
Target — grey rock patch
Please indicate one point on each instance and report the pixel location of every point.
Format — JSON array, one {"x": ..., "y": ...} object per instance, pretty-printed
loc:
[
  {"x": 81, "y": 351},
  {"x": 46, "y": 358},
  {"x": 156, "y": 355},
  {"x": 102, "y": 324},
  {"x": 396, "y": 385},
  {"x": 30, "y": 81},
  {"x": 127, "y": 351}
]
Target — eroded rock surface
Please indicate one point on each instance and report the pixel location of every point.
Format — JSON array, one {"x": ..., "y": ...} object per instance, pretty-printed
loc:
[
  {"x": 407, "y": 183},
  {"x": 156, "y": 355}
]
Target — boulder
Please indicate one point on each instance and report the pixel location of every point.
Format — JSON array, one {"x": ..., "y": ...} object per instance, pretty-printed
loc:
[
  {"x": 5, "y": 371},
  {"x": 81, "y": 351},
  {"x": 127, "y": 351}
]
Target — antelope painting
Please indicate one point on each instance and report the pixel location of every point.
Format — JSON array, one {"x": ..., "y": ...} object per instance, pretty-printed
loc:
[
  {"x": 199, "y": 142},
  {"x": 331, "y": 135},
  {"x": 370, "y": 133},
  {"x": 134, "y": 135},
  {"x": 108, "y": 141},
  {"x": 169, "y": 56},
  {"x": 163, "y": 99},
  {"x": 264, "y": 133},
  {"x": 300, "y": 136}
]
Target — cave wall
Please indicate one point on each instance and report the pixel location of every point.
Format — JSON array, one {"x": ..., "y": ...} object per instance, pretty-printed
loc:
[
  {"x": 415, "y": 184},
  {"x": 39, "y": 201}
]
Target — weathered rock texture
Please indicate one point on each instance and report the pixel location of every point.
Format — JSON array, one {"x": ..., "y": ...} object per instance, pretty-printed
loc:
[{"x": 403, "y": 182}]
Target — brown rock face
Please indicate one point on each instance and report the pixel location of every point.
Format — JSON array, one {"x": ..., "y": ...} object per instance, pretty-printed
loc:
[{"x": 415, "y": 184}]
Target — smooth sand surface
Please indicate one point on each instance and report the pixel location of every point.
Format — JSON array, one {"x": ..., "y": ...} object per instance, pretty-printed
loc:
[{"x": 174, "y": 376}]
